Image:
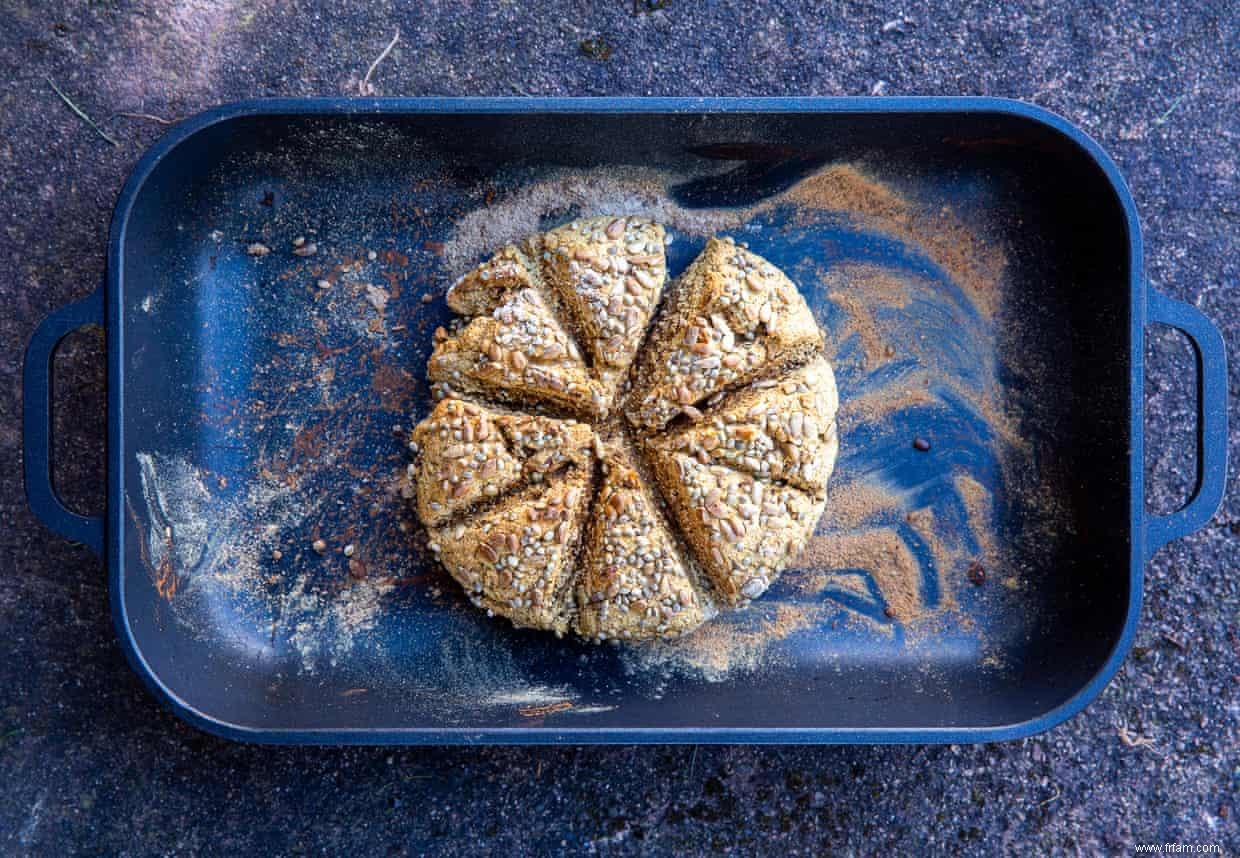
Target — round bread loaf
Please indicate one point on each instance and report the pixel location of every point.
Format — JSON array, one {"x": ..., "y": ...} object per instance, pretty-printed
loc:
[{"x": 613, "y": 460}]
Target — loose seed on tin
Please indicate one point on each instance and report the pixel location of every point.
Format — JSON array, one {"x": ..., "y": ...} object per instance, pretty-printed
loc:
[{"x": 977, "y": 573}]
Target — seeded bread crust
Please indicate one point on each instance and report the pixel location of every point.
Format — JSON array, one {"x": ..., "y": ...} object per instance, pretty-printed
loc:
[
  {"x": 634, "y": 584},
  {"x": 517, "y": 350},
  {"x": 517, "y": 558},
  {"x": 744, "y": 531},
  {"x": 778, "y": 430},
  {"x": 463, "y": 460},
  {"x": 710, "y": 478},
  {"x": 733, "y": 318},
  {"x": 609, "y": 273}
]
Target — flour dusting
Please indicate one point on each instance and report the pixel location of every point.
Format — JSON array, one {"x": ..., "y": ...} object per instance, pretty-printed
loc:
[{"x": 211, "y": 549}]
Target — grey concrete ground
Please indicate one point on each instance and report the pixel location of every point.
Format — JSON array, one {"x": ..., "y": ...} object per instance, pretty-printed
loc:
[{"x": 90, "y": 763}]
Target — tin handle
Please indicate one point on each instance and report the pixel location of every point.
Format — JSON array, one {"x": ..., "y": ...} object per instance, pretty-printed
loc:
[
  {"x": 1211, "y": 360},
  {"x": 37, "y": 424}
]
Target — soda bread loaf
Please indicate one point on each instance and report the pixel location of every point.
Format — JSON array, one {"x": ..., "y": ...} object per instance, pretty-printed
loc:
[{"x": 612, "y": 460}]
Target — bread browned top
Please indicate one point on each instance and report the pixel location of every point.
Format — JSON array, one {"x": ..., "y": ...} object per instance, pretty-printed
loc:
[{"x": 614, "y": 460}]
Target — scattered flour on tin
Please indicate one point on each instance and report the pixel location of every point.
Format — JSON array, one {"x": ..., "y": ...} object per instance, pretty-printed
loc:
[
  {"x": 852, "y": 505},
  {"x": 477, "y": 672},
  {"x": 907, "y": 390},
  {"x": 210, "y": 542},
  {"x": 978, "y": 505},
  {"x": 860, "y": 291},
  {"x": 947, "y": 549},
  {"x": 973, "y": 263},
  {"x": 532, "y": 695},
  {"x": 881, "y": 552},
  {"x": 328, "y": 625},
  {"x": 620, "y": 192},
  {"x": 207, "y": 552},
  {"x": 743, "y": 642}
]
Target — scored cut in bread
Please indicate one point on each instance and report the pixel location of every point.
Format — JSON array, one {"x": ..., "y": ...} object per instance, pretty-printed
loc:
[
  {"x": 545, "y": 445},
  {"x": 609, "y": 272},
  {"x": 518, "y": 350},
  {"x": 744, "y": 531},
  {"x": 470, "y": 454},
  {"x": 634, "y": 583},
  {"x": 517, "y": 558},
  {"x": 732, "y": 317},
  {"x": 779, "y": 430}
]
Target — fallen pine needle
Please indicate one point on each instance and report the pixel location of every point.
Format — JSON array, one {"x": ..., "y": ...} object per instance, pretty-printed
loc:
[
  {"x": 364, "y": 87},
  {"x": 1162, "y": 119},
  {"x": 152, "y": 117},
  {"x": 79, "y": 112}
]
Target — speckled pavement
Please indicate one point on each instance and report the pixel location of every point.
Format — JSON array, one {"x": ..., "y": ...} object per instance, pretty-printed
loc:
[{"x": 91, "y": 764}]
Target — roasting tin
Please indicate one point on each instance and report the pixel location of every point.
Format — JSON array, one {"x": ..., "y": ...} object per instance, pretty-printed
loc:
[{"x": 975, "y": 263}]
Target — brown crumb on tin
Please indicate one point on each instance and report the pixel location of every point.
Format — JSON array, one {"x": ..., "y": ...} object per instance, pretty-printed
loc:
[
  {"x": 977, "y": 573},
  {"x": 545, "y": 709}
]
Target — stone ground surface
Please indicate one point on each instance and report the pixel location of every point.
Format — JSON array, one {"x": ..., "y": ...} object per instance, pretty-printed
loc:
[{"x": 90, "y": 763}]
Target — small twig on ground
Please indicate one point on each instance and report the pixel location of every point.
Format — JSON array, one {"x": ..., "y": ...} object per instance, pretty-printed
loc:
[
  {"x": 1055, "y": 797},
  {"x": 693, "y": 762},
  {"x": 364, "y": 87},
  {"x": 79, "y": 112},
  {"x": 1160, "y": 120},
  {"x": 152, "y": 117},
  {"x": 1133, "y": 740}
]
